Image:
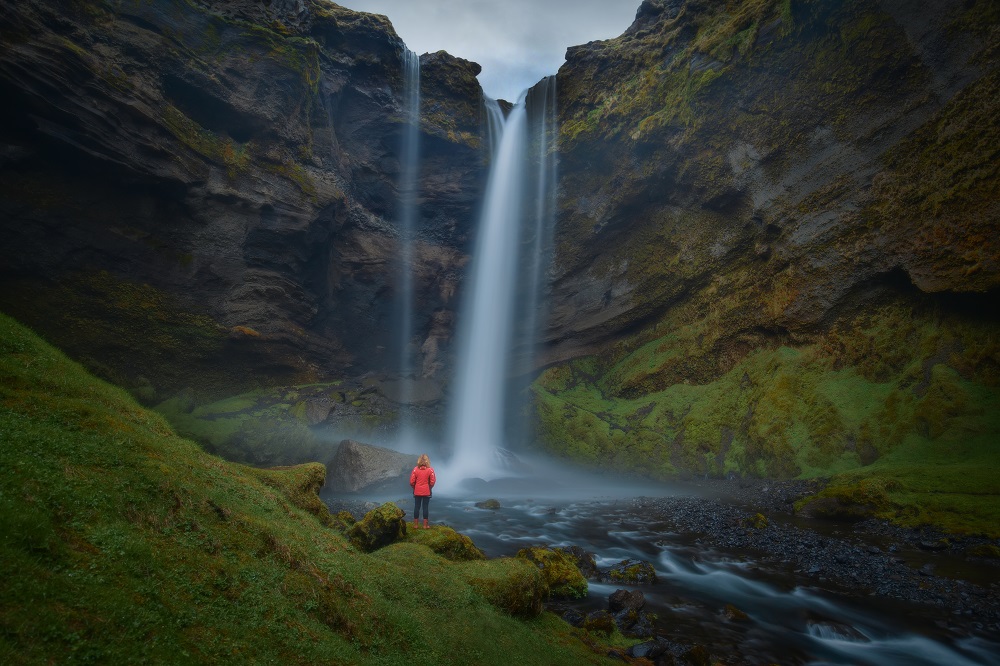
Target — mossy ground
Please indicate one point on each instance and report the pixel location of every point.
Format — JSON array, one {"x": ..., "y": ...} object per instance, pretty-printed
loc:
[
  {"x": 121, "y": 542},
  {"x": 903, "y": 399},
  {"x": 271, "y": 426}
]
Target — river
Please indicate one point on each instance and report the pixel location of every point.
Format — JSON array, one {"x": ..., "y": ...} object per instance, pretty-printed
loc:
[{"x": 811, "y": 593}]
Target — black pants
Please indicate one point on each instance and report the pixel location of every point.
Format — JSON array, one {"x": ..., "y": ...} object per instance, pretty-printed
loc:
[{"x": 417, "y": 501}]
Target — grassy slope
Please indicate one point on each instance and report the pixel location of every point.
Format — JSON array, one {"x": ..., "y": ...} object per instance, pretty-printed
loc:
[{"x": 120, "y": 541}]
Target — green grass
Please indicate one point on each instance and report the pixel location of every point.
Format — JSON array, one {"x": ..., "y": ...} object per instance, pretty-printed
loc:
[
  {"x": 121, "y": 542},
  {"x": 908, "y": 400}
]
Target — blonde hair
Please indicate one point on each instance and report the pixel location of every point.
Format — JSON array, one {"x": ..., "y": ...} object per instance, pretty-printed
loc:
[{"x": 423, "y": 461}]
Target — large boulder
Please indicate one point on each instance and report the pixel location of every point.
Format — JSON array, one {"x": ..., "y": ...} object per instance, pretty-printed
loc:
[{"x": 357, "y": 466}]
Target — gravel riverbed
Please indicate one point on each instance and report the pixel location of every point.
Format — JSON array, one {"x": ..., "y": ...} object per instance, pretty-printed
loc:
[{"x": 865, "y": 558}]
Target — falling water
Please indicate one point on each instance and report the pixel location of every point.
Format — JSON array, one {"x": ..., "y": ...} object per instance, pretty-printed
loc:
[
  {"x": 507, "y": 271},
  {"x": 409, "y": 167},
  {"x": 541, "y": 102},
  {"x": 493, "y": 125}
]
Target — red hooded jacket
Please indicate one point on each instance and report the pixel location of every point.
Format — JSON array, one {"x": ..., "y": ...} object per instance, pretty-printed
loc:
[{"x": 422, "y": 479}]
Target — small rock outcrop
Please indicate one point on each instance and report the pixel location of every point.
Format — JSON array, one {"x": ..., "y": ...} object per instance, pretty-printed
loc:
[
  {"x": 380, "y": 527},
  {"x": 447, "y": 543},
  {"x": 630, "y": 572},
  {"x": 559, "y": 571}
]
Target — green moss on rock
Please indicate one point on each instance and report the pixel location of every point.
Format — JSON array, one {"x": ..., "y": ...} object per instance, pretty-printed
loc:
[
  {"x": 559, "y": 570},
  {"x": 632, "y": 572},
  {"x": 379, "y": 528},
  {"x": 901, "y": 392},
  {"x": 446, "y": 542}
]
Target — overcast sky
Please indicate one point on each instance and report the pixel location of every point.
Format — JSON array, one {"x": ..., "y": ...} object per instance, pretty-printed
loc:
[{"x": 518, "y": 42}]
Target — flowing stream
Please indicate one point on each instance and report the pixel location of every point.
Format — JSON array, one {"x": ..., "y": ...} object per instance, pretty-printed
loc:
[{"x": 790, "y": 620}]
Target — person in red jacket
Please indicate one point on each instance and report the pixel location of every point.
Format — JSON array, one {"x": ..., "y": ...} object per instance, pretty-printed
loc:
[{"x": 422, "y": 479}]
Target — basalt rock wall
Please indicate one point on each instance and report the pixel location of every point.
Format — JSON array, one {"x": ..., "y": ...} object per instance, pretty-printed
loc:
[
  {"x": 761, "y": 203},
  {"x": 205, "y": 193}
]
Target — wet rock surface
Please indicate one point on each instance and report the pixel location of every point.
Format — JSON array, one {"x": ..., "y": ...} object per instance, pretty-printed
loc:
[{"x": 356, "y": 466}]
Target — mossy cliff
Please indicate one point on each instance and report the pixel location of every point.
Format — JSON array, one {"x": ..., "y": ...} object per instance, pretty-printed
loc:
[
  {"x": 121, "y": 542},
  {"x": 787, "y": 262},
  {"x": 203, "y": 195}
]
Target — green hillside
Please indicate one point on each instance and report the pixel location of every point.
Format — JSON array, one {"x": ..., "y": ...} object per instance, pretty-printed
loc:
[
  {"x": 899, "y": 410},
  {"x": 121, "y": 542}
]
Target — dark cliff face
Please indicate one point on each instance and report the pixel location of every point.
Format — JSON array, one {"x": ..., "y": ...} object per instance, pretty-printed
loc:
[
  {"x": 805, "y": 144},
  {"x": 741, "y": 184},
  {"x": 208, "y": 190}
]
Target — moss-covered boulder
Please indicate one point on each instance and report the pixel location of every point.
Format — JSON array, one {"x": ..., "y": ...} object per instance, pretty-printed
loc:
[
  {"x": 559, "y": 570},
  {"x": 446, "y": 542},
  {"x": 758, "y": 521},
  {"x": 584, "y": 561},
  {"x": 512, "y": 584},
  {"x": 631, "y": 572},
  {"x": 380, "y": 527},
  {"x": 849, "y": 502},
  {"x": 600, "y": 621}
]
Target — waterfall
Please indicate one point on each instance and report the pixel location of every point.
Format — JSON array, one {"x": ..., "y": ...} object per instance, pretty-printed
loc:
[
  {"x": 507, "y": 270},
  {"x": 409, "y": 171},
  {"x": 542, "y": 102},
  {"x": 493, "y": 125}
]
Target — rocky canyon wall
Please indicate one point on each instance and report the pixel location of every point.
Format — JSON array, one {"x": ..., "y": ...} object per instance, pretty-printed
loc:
[
  {"x": 775, "y": 247},
  {"x": 776, "y": 251},
  {"x": 203, "y": 195}
]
